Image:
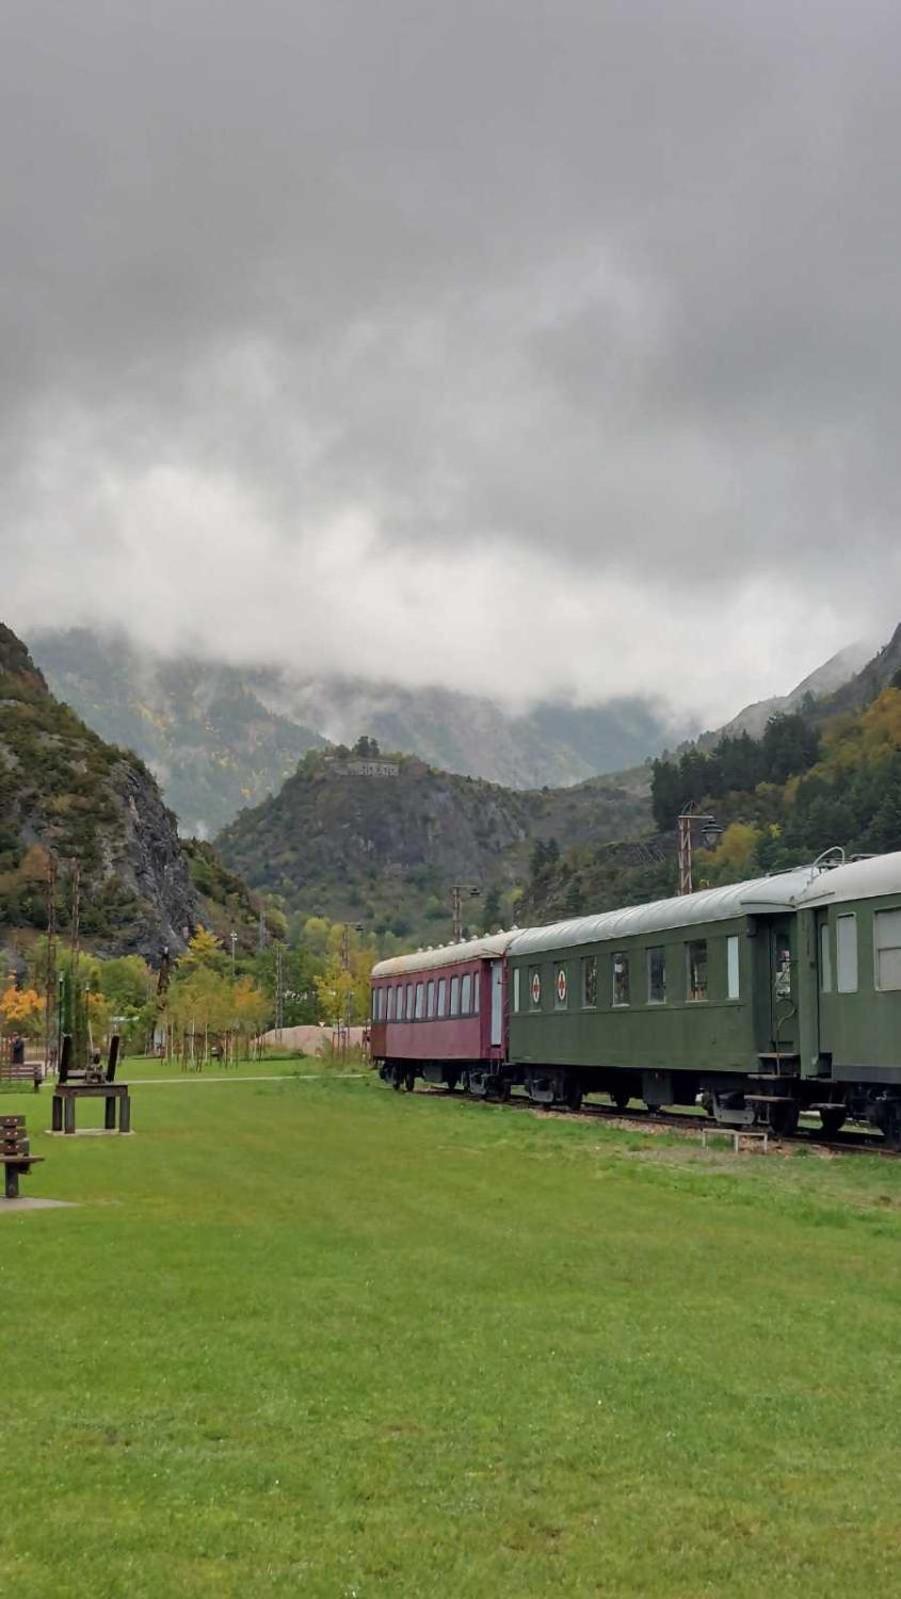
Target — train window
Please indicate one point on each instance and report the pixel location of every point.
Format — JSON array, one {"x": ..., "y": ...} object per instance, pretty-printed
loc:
[
  {"x": 378, "y": 995},
  {"x": 420, "y": 1001},
  {"x": 561, "y": 988},
  {"x": 696, "y": 961},
  {"x": 411, "y": 1011},
  {"x": 620, "y": 964},
  {"x": 455, "y": 996},
  {"x": 476, "y": 976},
  {"x": 442, "y": 996},
  {"x": 430, "y": 993},
  {"x": 400, "y": 1003},
  {"x": 733, "y": 971},
  {"x": 657, "y": 975},
  {"x": 391, "y": 1004},
  {"x": 590, "y": 980},
  {"x": 846, "y": 953},
  {"x": 516, "y": 988},
  {"x": 888, "y": 949},
  {"x": 466, "y": 994},
  {"x": 825, "y": 959}
]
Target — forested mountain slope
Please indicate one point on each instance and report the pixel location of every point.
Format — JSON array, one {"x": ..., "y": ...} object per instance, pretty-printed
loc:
[
  {"x": 385, "y": 850},
  {"x": 812, "y": 782},
  {"x": 210, "y": 741}
]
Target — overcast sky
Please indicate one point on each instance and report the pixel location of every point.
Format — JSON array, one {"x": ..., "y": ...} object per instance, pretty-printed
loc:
[{"x": 526, "y": 347}]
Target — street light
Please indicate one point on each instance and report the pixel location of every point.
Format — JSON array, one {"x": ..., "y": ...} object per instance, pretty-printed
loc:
[
  {"x": 472, "y": 891},
  {"x": 711, "y": 831}
]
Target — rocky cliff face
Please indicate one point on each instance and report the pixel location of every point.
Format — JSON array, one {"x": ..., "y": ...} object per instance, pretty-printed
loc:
[
  {"x": 879, "y": 673},
  {"x": 64, "y": 792},
  {"x": 829, "y": 678}
]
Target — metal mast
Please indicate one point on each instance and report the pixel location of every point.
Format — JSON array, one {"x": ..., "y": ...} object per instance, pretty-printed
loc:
[
  {"x": 458, "y": 890},
  {"x": 50, "y": 1000},
  {"x": 688, "y": 818}
]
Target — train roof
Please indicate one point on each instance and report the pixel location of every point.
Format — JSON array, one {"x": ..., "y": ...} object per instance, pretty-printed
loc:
[
  {"x": 863, "y": 879},
  {"x": 490, "y": 947},
  {"x": 758, "y": 896}
]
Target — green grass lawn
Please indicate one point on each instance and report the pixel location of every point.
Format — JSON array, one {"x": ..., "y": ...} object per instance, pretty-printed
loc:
[
  {"x": 141, "y": 1068},
  {"x": 312, "y": 1337}
]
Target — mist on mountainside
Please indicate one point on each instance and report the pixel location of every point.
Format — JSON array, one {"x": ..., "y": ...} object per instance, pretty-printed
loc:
[{"x": 220, "y": 737}]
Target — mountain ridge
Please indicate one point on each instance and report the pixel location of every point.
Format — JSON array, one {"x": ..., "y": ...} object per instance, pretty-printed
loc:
[
  {"x": 385, "y": 850},
  {"x": 219, "y": 737}
]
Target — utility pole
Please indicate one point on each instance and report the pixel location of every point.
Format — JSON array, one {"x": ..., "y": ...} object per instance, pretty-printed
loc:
[
  {"x": 234, "y": 939},
  {"x": 688, "y": 818},
  {"x": 279, "y": 989},
  {"x": 348, "y": 928},
  {"x": 50, "y": 1005},
  {"x": 76, "y": 917},
  {"x": 458, "y": 892}
]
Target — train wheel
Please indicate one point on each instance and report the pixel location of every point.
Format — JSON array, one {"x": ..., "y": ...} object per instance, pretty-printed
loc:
[
  {"x": 572, "y": 1096},
  {"x": 620, "y": 1098},
  {"x": 450, "y": 1082},
  {"x": 832, "y": 1121},
  {"x": 409, "y": 1081},
  {"x": 502, "y": 1086},
  {"x": 784, "y": 1118},
  {"x": 396, "y": 1078}
]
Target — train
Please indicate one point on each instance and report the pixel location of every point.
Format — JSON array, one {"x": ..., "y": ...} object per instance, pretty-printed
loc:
[{"x": 755, "y": 1001}]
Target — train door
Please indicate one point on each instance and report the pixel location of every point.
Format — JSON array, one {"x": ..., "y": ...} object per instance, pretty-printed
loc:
[
  {"x": 783, "y": 986},
  {"x": 497, "y": 1004},
  {"x": 825, "y": 983}
]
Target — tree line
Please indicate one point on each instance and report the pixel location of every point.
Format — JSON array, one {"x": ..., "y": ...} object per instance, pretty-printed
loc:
[{"x": 207, "y": 993}]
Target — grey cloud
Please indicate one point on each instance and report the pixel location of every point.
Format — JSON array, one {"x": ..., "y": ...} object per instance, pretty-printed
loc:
[{"x": 604, "y": 295}]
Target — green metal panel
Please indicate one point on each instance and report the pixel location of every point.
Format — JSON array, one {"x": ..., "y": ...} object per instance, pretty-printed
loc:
[
  {"x": 715, "y": 1034},
  {"x": 861, "y": 1031}
]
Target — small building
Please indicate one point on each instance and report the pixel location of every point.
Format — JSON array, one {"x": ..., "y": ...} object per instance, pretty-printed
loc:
[{"x": 360, "y": 766}]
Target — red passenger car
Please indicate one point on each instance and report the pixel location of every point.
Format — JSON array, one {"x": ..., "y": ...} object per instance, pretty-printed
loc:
[{"x": 441, "y": 1014}]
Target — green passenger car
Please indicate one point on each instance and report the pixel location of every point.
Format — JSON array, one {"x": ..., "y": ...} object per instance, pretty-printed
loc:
[
  {"x": 683, "y": 999},
  {"x": 757, "y": 1000},
  {"x": 849, "y": 935}
]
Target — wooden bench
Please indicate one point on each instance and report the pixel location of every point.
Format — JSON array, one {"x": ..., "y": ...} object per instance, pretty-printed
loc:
[
  {"x": 21, "y": 1071},
  {"x": 15, "y": 1154}
]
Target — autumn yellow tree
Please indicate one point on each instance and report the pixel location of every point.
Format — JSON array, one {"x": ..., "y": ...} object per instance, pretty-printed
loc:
[
  {"x": 204, "y": 950},
  {"x": 22, "y": 1010},
  {"x": 335, "y": 991}
]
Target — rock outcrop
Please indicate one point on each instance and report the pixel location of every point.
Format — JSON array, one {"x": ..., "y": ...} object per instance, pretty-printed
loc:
[{"x": 66, "y": 794}]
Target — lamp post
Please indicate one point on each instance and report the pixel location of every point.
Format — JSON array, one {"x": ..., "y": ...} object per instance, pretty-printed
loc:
[
  {"x": 690, "y": 817},
  {"x": 472, "y": 891}
]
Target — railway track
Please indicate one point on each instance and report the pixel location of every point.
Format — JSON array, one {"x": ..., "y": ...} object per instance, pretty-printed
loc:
[{"x": 687, "y": 1123}]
